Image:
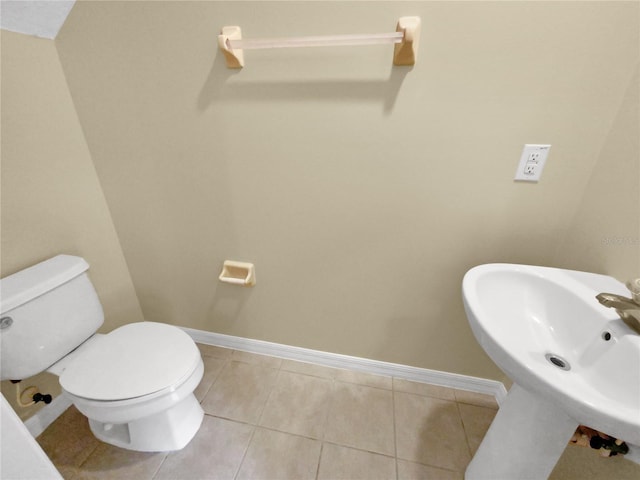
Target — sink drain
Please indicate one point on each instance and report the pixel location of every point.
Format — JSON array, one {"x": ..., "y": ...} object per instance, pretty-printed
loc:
[{"x": 558, "y": 361}]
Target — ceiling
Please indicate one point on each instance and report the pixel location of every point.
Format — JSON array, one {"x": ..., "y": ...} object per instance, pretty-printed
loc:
[{"x": 40, "y": 18}]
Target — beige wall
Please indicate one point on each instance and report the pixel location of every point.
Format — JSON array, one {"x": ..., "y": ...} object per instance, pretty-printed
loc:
[
  {"x": 51, "y": 199},
  {"x": 604, "y": 235},
  {"x": 361, "y": 192}
]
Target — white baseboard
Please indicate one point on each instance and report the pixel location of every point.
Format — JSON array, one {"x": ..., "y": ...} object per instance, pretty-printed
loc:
[
  {"x": 47, "y": 415},
  {"x": 435, "y": 377}
]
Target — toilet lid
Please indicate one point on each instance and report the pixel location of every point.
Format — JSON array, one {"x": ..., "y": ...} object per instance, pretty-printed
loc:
[{"x": 132, "y": 361}]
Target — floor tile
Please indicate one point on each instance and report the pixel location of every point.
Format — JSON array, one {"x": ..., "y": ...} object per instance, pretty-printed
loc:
[
  {"x": 344, "y": 463},
  {"x": 430, "y": 431},
  {"x": 361, "y": 417},
  {"x": 214, "y": 453},
  {"x": 257, "y": 359},
  {"x": 361, "y": 378},
  {"x": 308, "y": 369},
  {"x": 240, "y": 392},
  {"x": 426, "y": 389},
  {"x": 474, "y": 398},
  {"x": 433, "y": 435},
  {"x": 277, "y": 455},
  {"x": 212, "y": 368},
  {"x": 476, "y": 421},
  {"x": 213, "y": 351},
  {"x": 580, "y": 463},
  {"x": 416, "y": 471},
  {"x": 298, "y": 404},
  {"x": 68, "y": 441},
  {"x": 109, "y": 462}
]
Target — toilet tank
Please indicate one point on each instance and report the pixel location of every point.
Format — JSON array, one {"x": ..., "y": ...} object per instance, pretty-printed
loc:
[{"x": 46, "y": 311}]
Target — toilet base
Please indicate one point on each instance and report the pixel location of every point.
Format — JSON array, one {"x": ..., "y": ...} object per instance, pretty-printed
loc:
[{"x": 165, "y": 431}]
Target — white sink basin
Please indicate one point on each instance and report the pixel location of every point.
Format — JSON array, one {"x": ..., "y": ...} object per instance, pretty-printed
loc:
[
  {"x": 545, "y": 329},
  {"x": 521, "y": 313}
]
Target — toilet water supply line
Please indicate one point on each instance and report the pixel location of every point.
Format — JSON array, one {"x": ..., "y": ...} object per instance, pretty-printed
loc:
[{"x": 36, "y": 396}]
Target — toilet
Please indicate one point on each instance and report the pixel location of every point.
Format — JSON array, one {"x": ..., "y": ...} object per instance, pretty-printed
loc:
[{"x": 135, "y": 384}]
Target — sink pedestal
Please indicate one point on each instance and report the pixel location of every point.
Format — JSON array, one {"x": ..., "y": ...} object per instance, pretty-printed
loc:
[{"x": 525, "y": 440}]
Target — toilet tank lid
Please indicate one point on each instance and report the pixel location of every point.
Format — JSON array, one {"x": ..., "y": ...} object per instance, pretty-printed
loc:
[{"x": 27, "y": 284}]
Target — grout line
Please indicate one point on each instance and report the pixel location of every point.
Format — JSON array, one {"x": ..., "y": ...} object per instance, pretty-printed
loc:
[
  {"x": 234, "y": 420},
  {"x": 395, "y": 431},
  {"x": 271, "y": 429},
  {"x": 93, "y": 450},
  {"x": 225, "y": 365},
  {"x": 325, "y": 425},
  {"x": 244, "y": 455},
  {"x": 160, "y": 466},
  {"x": 494, "y": 408},
  {"x": 330, "y": 404},
  {"x": 266, "y": 402},
  {"x": 351, "y": 447},
  {"x": 362, "y": 385},
  {"x": 464, "y": 429},
  {"x": 319, "y": 459},
  {"x": 215, "y": 379}
]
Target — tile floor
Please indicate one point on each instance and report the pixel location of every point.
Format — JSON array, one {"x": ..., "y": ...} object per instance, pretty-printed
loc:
[{"x": 269, "y": 418}]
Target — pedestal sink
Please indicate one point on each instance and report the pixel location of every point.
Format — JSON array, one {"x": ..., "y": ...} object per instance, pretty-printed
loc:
[{"x": 572, "y": 362}]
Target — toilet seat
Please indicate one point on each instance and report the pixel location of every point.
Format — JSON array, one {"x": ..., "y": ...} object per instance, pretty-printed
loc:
[{"x": 135, "y": 360}]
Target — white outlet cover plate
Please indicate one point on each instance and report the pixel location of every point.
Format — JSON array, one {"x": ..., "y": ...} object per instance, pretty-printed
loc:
[{"x": 532, "y": 161}]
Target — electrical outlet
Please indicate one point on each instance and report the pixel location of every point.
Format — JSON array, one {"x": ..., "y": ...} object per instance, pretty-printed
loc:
[{"x": 532, "y": 162}]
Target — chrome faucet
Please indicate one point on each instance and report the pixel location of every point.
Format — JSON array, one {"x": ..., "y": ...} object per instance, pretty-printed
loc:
[{"x": 627, "y": 308}]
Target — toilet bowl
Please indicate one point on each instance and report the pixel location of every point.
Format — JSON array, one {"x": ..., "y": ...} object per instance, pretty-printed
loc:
[{"x": 134, "y": 384}]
